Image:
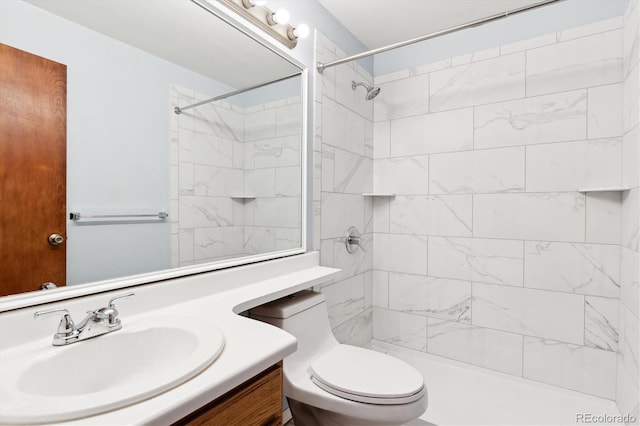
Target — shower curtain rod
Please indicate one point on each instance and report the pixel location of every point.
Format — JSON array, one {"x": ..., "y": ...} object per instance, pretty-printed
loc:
[
  {"x": 322, "y": 66},
  {"x": 178, "y": 110}
]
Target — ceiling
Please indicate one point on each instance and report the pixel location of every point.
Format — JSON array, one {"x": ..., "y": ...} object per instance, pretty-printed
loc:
[{"x": 378, "y": 23}]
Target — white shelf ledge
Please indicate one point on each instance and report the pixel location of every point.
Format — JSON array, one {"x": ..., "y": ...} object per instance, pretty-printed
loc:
[
  {"x": 378, "y": 194},
  {"x": 606, "y": 189},
  {"x": 243, "y": 197}
]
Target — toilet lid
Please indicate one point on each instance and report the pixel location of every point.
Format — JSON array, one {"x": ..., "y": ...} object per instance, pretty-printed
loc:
[{"x": 367, "y": 376}]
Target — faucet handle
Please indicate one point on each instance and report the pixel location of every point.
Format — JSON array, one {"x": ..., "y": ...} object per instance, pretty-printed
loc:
[
  {"x": 110, "y": 313},
  {"x": 122, "y": 296},
  {"x": 66, "y": 328}
]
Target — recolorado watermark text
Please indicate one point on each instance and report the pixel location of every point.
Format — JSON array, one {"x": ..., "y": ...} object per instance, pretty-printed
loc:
[{"x": 590, "y": 418}]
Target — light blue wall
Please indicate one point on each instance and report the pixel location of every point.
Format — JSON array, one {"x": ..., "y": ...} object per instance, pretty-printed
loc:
[{"x": 544, "y": 20}]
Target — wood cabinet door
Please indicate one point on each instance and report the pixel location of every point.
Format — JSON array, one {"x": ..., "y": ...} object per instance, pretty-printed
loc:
[
  {"x": 33, "y": 167},
  {"x": 257, "y": 402}
]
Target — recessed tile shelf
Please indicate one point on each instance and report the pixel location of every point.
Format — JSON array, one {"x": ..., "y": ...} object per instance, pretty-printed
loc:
[
  {"x": 243, "y": 197},
  {"x": 378, "y": 194},
  {"x": 611, "y": 189}
]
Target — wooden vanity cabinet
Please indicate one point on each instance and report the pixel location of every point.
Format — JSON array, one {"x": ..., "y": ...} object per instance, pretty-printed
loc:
[{"x": 256, "y": 402}]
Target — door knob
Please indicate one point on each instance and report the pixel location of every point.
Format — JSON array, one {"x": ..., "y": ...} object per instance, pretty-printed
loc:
[{"x": 56, "y": 239}]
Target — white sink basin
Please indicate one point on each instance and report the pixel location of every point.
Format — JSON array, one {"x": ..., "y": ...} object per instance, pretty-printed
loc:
[{"x": 149, "y": 355}]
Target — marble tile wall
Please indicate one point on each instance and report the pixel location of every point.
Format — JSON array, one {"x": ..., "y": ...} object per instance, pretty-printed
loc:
[
  {"x": 220, "y": 151},
  {"x": 628, "y": 324},
  {"x": 487, "y": 253},
  {"x": 343, "y": 171},
  {"x": 272, "y": 173}
]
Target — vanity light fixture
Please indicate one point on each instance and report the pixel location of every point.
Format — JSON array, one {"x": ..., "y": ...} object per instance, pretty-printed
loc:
[{"x": 273, "y": 23}]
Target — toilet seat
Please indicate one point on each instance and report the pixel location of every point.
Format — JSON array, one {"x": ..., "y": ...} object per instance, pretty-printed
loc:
[{"x": 364, "y": 375}]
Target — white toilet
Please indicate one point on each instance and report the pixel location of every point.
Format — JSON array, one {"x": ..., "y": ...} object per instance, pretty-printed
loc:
[{"x": 328, "y": 383}]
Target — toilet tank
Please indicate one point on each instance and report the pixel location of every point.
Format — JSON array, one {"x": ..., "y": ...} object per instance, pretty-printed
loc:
[{"x": 304, "y": 315}]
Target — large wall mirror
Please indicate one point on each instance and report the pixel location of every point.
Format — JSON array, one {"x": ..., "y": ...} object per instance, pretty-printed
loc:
[{"x": 150, "y": 188}]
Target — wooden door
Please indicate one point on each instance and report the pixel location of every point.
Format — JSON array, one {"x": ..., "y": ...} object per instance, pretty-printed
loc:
[{"x": 33, "y": 132}]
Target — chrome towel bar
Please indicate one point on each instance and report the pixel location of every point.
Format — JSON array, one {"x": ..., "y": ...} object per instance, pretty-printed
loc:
[{"x": 77, "y": 216}]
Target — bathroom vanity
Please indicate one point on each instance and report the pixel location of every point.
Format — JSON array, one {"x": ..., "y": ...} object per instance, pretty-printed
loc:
[{"x": 243, "y": 382}]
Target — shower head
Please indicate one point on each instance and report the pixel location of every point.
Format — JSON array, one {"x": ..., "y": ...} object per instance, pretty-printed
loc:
[{"x": 372, "y": 92}]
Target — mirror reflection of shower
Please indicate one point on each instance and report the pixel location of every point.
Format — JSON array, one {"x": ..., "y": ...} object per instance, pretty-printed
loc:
[
  {"x": 236, "y": 179},
  {"x": 372, "y": 92}
]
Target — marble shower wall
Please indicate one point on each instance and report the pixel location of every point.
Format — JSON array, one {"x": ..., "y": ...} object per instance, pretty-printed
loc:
[
  {"x": 272, "y": 174},
  {"x": 487, "y": 253},
  {"x": 220, "y": 153},
  {"x": 342, "y": 151},
  {"x": 628, "y": 344}
]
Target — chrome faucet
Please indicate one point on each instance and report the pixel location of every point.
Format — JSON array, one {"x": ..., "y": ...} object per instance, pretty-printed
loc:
[{"x": 97, "y": 322}]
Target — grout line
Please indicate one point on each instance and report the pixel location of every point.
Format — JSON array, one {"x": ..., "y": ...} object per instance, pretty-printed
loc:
[
  {"x": 471, "y": 302},
  {"x": 459, "y": 237},
  {"x": 427, "y": 257},
  {"x": 472, "y": 215},
  {"x": 473, "y": 129},
  {"x": 584, "y": 321},
  {"x": 521, "y": 287},
  {"x": 585, "y": 218},
  {"x": 506, "y": 100},
  {"x": 489, "y": 148}
]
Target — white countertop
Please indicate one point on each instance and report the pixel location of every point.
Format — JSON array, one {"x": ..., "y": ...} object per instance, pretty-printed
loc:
[{"x": 218, "y": 296}]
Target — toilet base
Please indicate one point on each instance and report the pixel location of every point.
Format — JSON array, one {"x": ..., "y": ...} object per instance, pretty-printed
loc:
[{"x": 308, "y": 415}]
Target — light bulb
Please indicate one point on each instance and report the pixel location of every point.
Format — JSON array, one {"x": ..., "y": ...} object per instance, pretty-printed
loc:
[
  {"x": 301, "y": 31},
  {"x": 282, "y": 16},
  {"x": 279, "y": 17}
]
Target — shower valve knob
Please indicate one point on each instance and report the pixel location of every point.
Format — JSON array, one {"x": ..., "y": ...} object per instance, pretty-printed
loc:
[{"x": 352, "y": 240}]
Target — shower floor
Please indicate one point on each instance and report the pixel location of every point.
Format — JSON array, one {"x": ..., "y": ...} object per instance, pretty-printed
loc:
[{"x": 462, "y": 394}]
